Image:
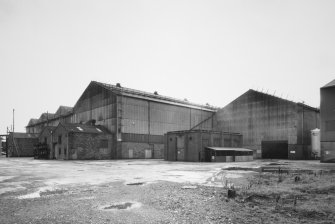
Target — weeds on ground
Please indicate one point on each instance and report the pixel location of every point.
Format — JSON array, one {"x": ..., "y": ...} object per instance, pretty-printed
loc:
[{"x": 304, "y": 196}]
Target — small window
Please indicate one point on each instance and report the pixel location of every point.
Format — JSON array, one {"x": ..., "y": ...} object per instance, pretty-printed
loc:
[
  {"x": 59, "y": 150},
  {"x": 170, "y": 139},
  {"x": 59, "y": 139},
  {"x": 45, "y": 139},
  {"x": 190, "y": 138},
  {"x": 65, "y": 151}
]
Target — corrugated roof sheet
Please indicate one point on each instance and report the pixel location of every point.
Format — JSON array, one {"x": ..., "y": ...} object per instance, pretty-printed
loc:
[
  {"x": 151, "y": 96},
  {"x": 63, "y": 110},
  {"x": 48, "y": 128},
  {"x": 229, "y": 149},
  {"x": 84, "y": 128},
  {"x": 24, "y": 135},
  {"x": 33, "y": 121},
  {"x": 331, "y": 84}
]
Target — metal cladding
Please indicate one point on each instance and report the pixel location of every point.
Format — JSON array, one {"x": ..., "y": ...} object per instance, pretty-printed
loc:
[
  {"x": 62, "y": 114},
  {"x": 137, "y": 120},
  {"x": 327, "y": 110},
  {"x": 273, "y": 127}
]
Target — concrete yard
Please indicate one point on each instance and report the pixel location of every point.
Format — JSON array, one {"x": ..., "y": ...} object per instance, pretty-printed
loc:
[{"x": 156, "y": 191}]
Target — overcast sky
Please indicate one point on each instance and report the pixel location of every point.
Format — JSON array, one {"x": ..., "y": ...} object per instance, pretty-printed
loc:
[{"x": 205, "y": 51}]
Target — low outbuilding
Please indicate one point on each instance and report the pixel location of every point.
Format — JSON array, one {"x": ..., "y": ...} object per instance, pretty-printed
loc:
[
  {"x": 225, "y": 154},
  {"x": 201, "y": 145},
  {"x": 81, "y": 141},
  {"x": 21, "y": 144}
]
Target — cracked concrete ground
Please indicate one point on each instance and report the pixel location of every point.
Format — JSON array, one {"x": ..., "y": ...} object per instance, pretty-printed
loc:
[{"x": 51, "y": 191}]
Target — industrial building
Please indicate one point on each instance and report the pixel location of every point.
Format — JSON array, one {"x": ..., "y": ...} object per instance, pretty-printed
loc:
[
  {"x": 47, "y": 142},
  {"x": 79, "y": 141},
  {"x": 21, "y": 144},
  {"x": 327, "y": 109},
  {"x": 63, "y": 114},
  {"x": 203, "y": 146},
  {"x": 136, "y": 120},
  {"x": 272, "y": 127}
]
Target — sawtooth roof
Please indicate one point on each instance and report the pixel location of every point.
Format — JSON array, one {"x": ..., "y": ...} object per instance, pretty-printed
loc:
[{"x": 63, "y": 110}]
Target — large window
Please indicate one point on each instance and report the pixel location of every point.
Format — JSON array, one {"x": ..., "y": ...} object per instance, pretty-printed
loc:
[{"x": 59, "y": 139}]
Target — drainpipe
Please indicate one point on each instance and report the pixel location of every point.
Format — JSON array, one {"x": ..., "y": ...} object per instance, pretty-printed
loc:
[{"x": 302, "y": 131}]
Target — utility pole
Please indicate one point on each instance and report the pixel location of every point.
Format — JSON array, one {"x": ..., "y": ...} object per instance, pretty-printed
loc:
[{"x": 13, "y": 119}]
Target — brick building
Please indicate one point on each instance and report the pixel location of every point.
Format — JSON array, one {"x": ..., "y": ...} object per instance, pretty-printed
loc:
[
  {"x": 137, "y": 120},
  {"x": 190, "y": 145},
  {"x": 81, "y": 141}
]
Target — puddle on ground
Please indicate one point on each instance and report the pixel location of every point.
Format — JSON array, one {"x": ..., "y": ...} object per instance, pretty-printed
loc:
[
  {"x": 121, "y": 206},
  {"x": 234, "y": 168},
  {"x": 44, "y": 191},
  {"x": 136, "y": 184}
]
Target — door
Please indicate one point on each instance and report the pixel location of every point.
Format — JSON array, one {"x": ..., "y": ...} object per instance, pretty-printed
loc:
[
  {"x": 205, "y": 143},
  {"x": 130, "y": 153},
  {"x": 180, "y": 148},
  {"x": 275, "y": 149},
  {"x": 148, "y": 153}
]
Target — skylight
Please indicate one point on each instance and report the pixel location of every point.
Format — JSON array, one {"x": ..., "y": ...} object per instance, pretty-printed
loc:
[
  {"x": 98, "y": 130},
  {"x": 80, "y": 129}
]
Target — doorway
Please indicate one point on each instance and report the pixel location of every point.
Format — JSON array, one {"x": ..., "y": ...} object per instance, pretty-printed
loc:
[{"x": 275, "y": 149}]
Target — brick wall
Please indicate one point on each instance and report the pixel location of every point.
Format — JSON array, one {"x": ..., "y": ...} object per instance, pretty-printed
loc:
[
  {"x": 139, "y": 150},
  {"x": 25, "y": 147},
  {"x": 89, "y": 146}
]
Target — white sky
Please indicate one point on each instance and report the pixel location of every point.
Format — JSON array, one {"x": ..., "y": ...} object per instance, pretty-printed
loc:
[{"x": 205, "y": 51}]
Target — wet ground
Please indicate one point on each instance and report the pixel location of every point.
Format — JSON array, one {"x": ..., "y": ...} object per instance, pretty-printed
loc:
[{"x": 145, "y": 191}]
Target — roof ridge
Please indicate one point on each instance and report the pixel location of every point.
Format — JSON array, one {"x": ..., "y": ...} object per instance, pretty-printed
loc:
[{"x": 153, "y": 95}]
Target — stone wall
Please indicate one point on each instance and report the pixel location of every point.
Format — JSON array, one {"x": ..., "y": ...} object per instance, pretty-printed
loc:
[{"x": 89, "y": 146}]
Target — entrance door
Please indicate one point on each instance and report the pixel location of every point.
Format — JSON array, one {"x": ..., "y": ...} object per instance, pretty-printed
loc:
[
  {"x": 148, "y": 153},
  {"x": 180, "y": 148},
  {"x": 130, "y": 153},
  {"x": 275, "y": 149},
  {"x": 205, "y": 143}
]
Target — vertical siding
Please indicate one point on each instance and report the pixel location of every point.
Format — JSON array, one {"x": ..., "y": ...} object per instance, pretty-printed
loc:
[
  {"x": 134, "y": 115},
  {"x": 98, "y": 104},
  {"x": 259, "y": 117}
]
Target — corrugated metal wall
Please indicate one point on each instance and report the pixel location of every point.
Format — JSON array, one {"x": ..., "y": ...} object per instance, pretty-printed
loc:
[
  {"x": 96, "y": 104},
  {"x": 262, "y": 117},
  {"x": 163, "y": 117}
]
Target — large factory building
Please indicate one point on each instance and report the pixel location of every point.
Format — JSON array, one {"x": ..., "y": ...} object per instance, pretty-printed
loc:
[
  {"x": 271, "y": 126},
  {"x": 327, "y": 108},
  {"x": 137, "y": 120}
]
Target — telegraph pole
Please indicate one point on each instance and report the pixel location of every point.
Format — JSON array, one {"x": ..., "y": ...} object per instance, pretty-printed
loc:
[{"x": 13, "y": 119}]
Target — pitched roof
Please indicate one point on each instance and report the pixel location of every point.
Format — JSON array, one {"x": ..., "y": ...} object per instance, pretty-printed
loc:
[
  {"x": 269, "y": 96},
  {"x": 84, "y": 128},
  {"x": 330, "y": 84},
  {"x": 152, "y": 96},
  {"x": 24, "y": 135},
  {"x": 49, "y": 128},
  {"x": 63, "y": 110},
  {"x": 46, "y": 116},
  {"x": 33, "y": 121}
]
